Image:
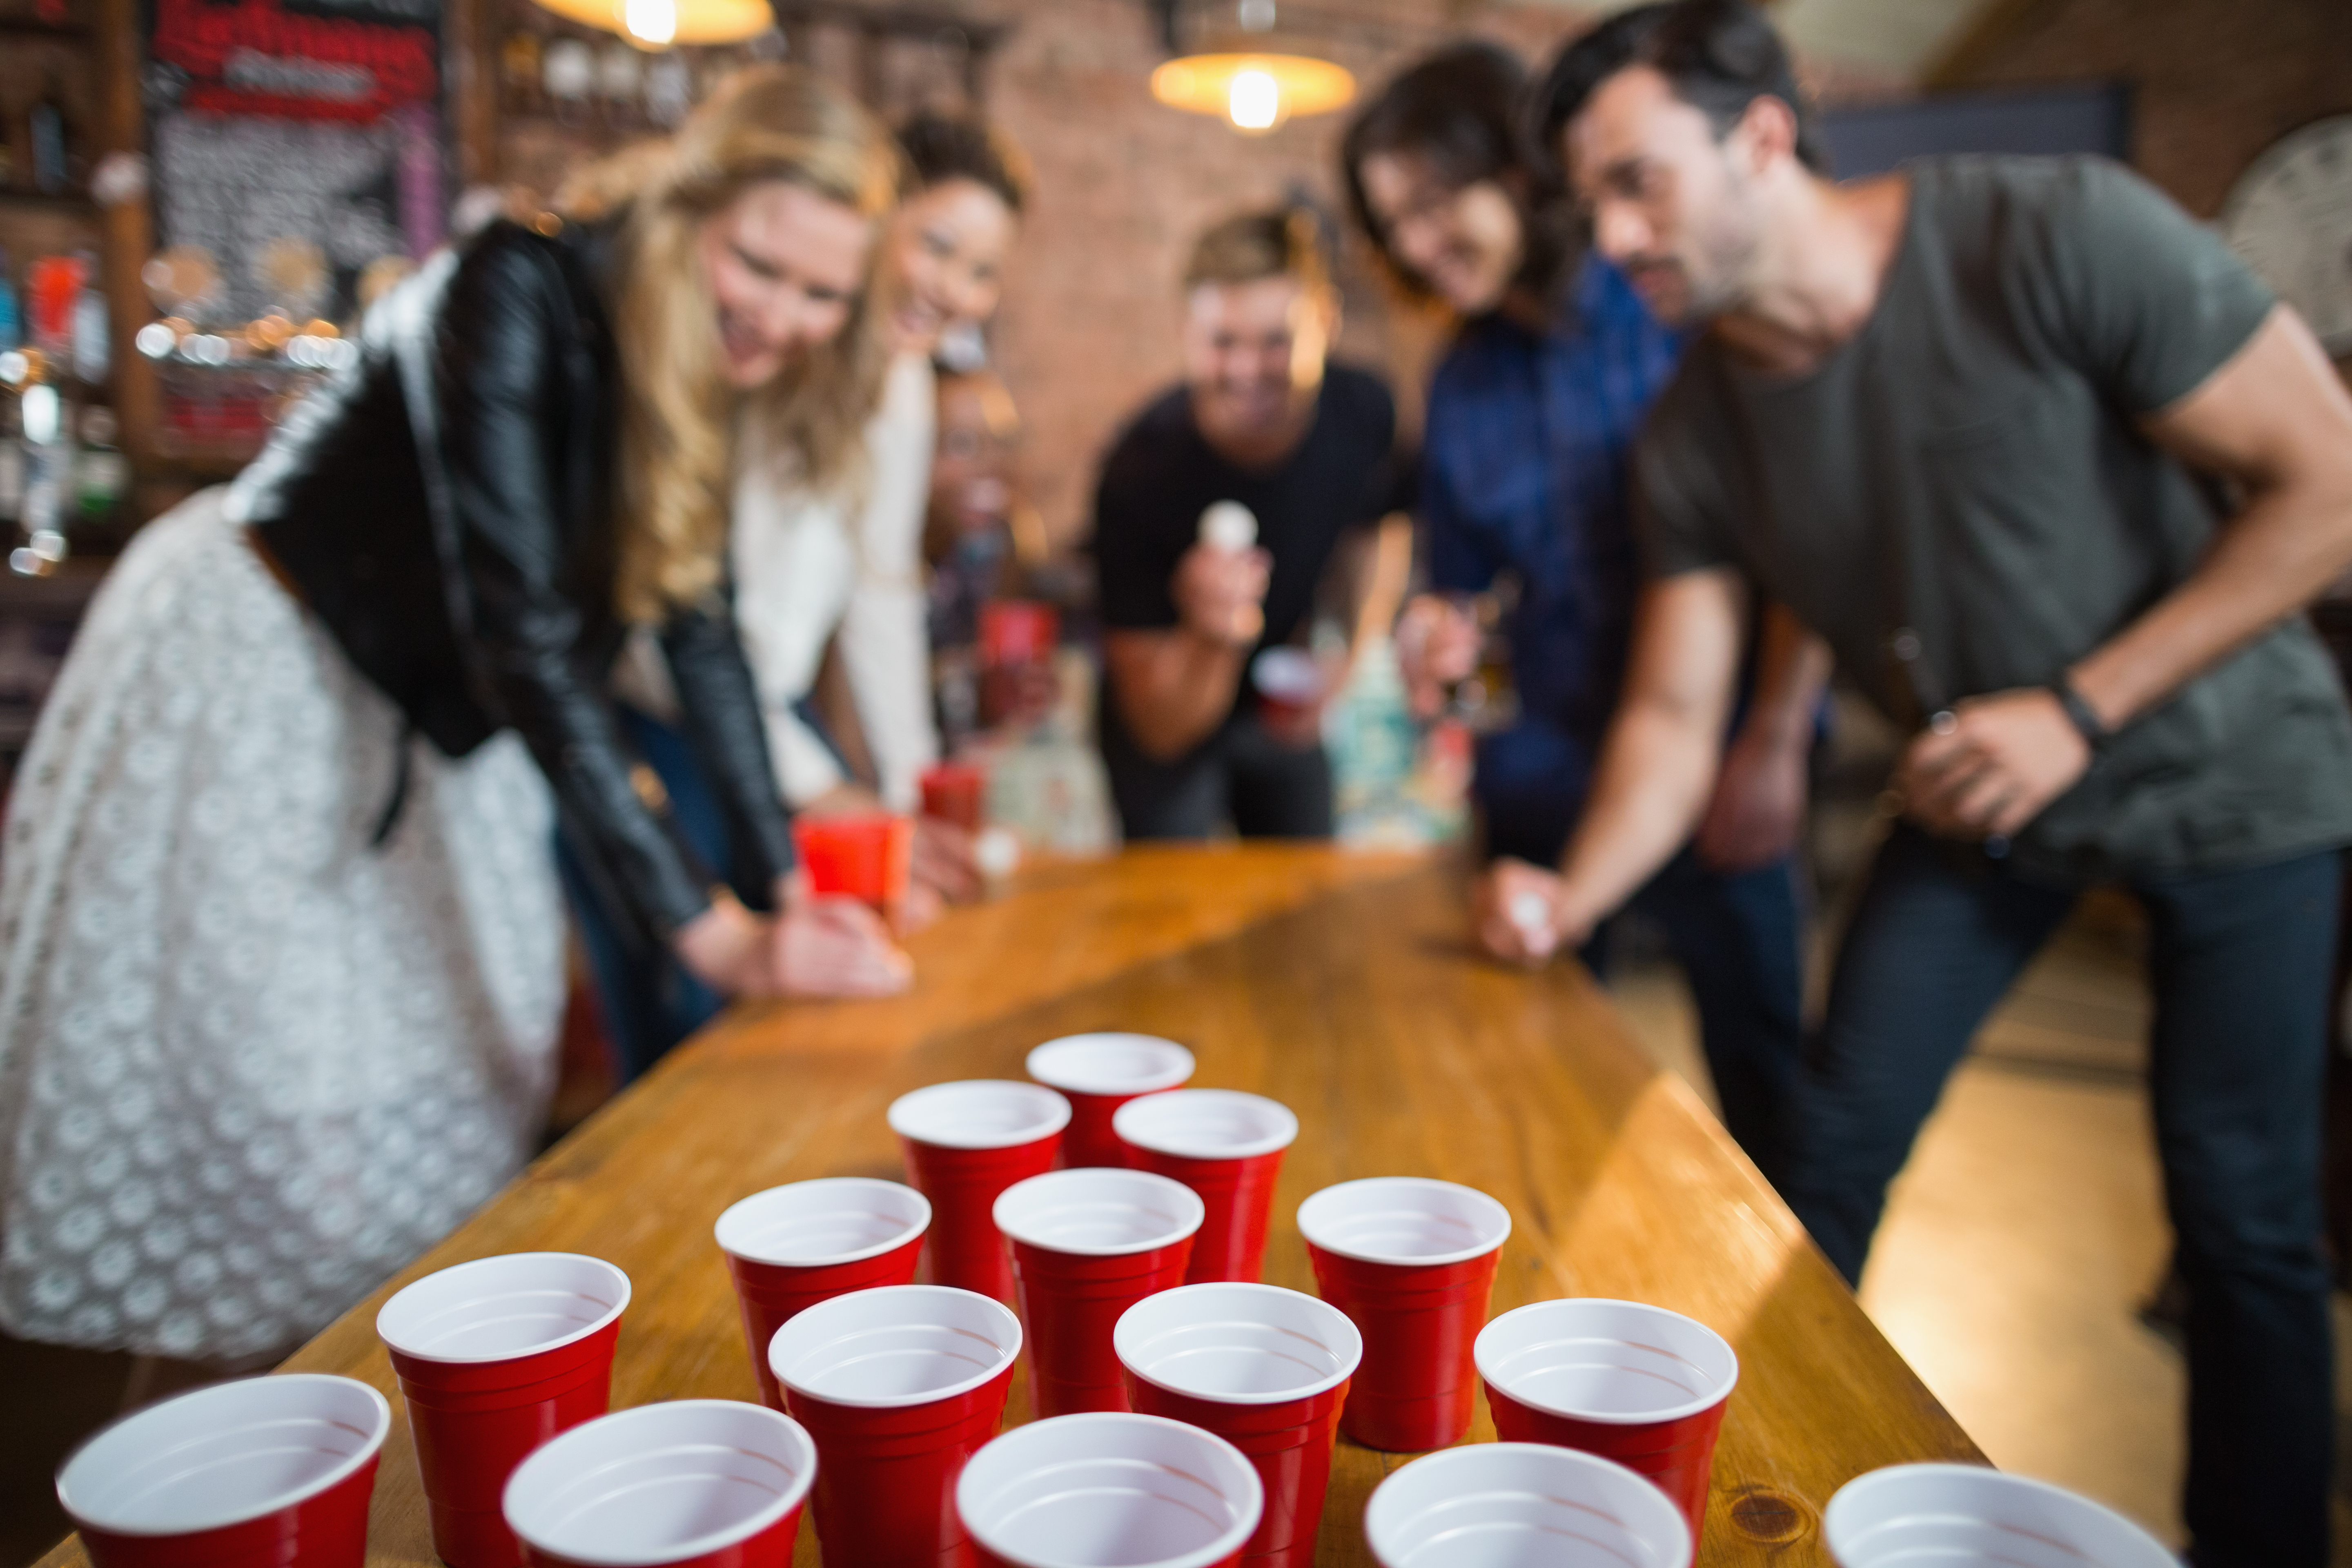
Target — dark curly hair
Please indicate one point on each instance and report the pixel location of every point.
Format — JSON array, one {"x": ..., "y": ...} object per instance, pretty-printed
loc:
[
  {"x": 1463, "y": 110},
  {"x": 940, "y": 147},
  {"x": 1719, "y": 56}
]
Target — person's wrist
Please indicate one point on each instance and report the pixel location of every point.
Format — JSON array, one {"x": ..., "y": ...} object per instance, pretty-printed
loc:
[{"x": 2086, "y": 719}]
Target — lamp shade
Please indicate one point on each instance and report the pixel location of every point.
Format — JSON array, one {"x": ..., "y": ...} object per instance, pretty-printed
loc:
[
  {"x": 657, "y": 23},
  {"x": 1255, "y": 93}
]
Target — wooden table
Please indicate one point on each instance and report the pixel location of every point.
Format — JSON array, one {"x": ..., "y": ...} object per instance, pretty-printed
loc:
[{"x": 1340, "y": 985}]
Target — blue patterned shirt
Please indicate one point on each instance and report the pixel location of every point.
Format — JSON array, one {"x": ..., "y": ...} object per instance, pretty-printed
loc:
[{"x": 1524, "y": 464}]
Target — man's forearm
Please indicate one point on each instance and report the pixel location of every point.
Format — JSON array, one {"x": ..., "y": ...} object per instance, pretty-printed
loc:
[
  {"x": 1173, "y": 688},
  {"x": 1656, "y": 772}
]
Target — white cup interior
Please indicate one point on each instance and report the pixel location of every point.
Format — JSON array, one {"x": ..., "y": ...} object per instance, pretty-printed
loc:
[
  {"x": 1240, "y": 1343},
  {"x": 661, "y": 1483},
  {"x": 837, "y": 1219},
  {"x": 1206, "y": 1124},
  {"x": 1110, "y": 1491},
  {"x": 1098, "y": 1213},
  {"x": 222, "y": 1455},
  {"x": 1288, "y": 675},
  {"x": 896, "y": 1345},
  {"x": 1406, "y": 1220},
  {"x": 1930, "y": 1516},
  {"x": 1110, "y": 1064},
  {"x": 979, "y": 1113},
  {"x": 496, "y": 1309},
  {"x": 1598, "y": 1360},
  {"x": 1523, "y": 1505}
]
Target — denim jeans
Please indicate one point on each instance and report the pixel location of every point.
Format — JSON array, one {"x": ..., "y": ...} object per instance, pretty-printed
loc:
[
  {"x": 1738, "y": 937},
  {"x": 1241, "y": 774},
  {"x": 2239, "y": 961}
]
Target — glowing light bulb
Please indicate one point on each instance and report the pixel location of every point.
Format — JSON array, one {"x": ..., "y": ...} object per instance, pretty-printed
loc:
[
  {"x": 1253, "y": 102},
  {"x": 650, "y": 21}
]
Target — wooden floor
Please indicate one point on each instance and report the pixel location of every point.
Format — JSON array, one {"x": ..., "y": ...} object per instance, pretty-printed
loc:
[{"x": 2028, "y": 1231}]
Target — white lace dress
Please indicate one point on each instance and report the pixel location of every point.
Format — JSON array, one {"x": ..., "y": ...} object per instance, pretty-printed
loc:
[{"x": 250, "y": 1065}]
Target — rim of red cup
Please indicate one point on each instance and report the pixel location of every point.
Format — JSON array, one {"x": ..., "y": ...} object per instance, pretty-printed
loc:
[
  {"x": 1336, "y": 1218},
  {"x": 1449, "y": 1480},
  {"x": 748, "y": 1223},
  {"x": 1302, "y": 1320},
  {"x": 1542, "y": 1324},
  {"x": 406, "y": 1321},
  {"x": 1074, "y": 1063},
  {"x": 972, "y": 1319},
  {"x": 1943, "y": 1496},
  {"x": 194, "y": 1430},
  {"x": 940, "y": 1114},
  {"x": 545, "y": 1494},
  {"x": 1054, "y": 1211},
  {"x": 1185, "y": 1122},
  {"x": 1288, "y": 675},
  {"x": 1014, "y": 1460}
]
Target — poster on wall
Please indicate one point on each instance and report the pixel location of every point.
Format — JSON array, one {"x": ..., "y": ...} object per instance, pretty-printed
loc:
[{"x": 297, "y": 152}]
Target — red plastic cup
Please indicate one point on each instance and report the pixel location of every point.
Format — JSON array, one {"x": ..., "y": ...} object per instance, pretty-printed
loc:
[
  {"x": 1099, "y": 1073},
  {"x": 267, "y": 1472},
  {"x": 1267, "y": 1370},
  {"x": 1629, "y": 1381},
  {"x": 494, "y": 1358},
  {"x": 694, "y": 1483},
  {"x": 899, "y": 1387},
  {"x": 1017, "y": 631},
  {"x": 1924, "y": 1514},
  {"x": 1086, "y": 1246},
  {"x": 1227, "y": 1147},
  {"x": 1289, "y": 682},
  {"x": 792, "y": 1247},
  {"x": 866, "y": 855},
  {"x": 1410, "y": 1261},
  {"x": 1505, "y": 1505},
  {"x": 956, "y": 793},
  {"x": 1109, "y": 1490},
  {"x": 965, "y": 1143}
]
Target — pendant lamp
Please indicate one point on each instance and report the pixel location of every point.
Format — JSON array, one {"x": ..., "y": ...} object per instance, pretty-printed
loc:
[
  {"x": 659, "y": 24},
  {"x": 1251, "y": 79}
]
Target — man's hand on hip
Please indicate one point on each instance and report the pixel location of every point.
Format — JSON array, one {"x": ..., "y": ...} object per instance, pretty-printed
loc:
[{"x": 1992, "y": 766}]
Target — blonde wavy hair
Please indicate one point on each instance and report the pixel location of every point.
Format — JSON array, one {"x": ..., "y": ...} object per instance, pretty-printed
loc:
[{"x": 679, "y": 418}]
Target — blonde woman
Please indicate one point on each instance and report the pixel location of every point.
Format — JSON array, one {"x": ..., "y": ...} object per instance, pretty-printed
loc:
[{"x": 279, "y": 961}]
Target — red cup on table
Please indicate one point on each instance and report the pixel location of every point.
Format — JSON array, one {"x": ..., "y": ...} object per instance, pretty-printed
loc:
[
  {"x": 792, "y": 1247},
  {"x": 956, "y": 793},
  {"x": 494, "y": 1358},
  {"x": 692, "y": 1483},
  {"x": 1289, "y": 684},
  {"x": 1224, "y": 1145},
  {"x": 1503, "y": 1505},
  {"x": 898, "y": 1386},
  {"x": 1088, "y": 1245},
  {"x": 867, "y": 856},
  {"x": 1410, "y": 1261},
  {"x": 1267, "y": 1370},
  {"x": 1099, "y": 1073},
  {"x": 1908, "y": 1515},
  {"x": 265, "y": 1472},
  {"x": 965, "y": 1143},
  {"x": 1625, "y": 1379},
  {"x": 1107, "y": 1489}
]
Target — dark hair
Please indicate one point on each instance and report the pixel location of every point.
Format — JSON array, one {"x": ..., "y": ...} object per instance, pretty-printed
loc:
[
  {"x": 940, "y": 148},
  {"x": 1463, "y": 109},
  {"x": 1719, "y": 56},
  {"x": 1279, "y": 242}
]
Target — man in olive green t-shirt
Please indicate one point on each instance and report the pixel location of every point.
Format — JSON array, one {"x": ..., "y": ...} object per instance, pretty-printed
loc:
[{"x": 1968, "y": 421}]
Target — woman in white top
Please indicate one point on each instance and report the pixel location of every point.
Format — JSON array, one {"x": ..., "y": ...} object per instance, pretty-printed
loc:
[{"x": 841, "y": 565}]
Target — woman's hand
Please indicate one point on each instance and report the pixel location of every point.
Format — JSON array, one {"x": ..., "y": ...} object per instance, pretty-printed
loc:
[
  {"x": 946, "y": 860},
  {"x": 817, "y": 947}
]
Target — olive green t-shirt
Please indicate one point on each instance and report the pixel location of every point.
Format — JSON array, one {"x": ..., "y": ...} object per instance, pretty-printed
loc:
[{"x": 1966, "y": 481}]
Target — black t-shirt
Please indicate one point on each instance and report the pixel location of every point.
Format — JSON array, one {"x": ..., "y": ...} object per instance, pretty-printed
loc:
[{"x": 1162, "y": 474}]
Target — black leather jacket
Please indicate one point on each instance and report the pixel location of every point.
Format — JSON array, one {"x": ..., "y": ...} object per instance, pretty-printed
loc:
[{"x": 496, "y": 608}]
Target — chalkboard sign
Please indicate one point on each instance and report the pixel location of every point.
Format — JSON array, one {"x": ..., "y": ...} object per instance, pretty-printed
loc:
[{"x": 295, "y": 145}]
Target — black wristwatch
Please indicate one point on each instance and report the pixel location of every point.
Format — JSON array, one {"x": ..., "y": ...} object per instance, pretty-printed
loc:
[{"x": 2080, "y": 713}]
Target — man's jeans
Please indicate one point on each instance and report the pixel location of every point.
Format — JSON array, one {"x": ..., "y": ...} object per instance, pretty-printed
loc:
[
  {"x": 2239, "y": 961},
  {"x": 1738, "y": 937}
]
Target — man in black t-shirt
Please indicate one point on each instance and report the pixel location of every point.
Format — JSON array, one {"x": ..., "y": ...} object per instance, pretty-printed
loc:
[{"x": 1285, "y": 457}]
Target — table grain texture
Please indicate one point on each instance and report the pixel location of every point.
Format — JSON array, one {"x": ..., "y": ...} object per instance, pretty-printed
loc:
[{"x": 1343, "y": 985}]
